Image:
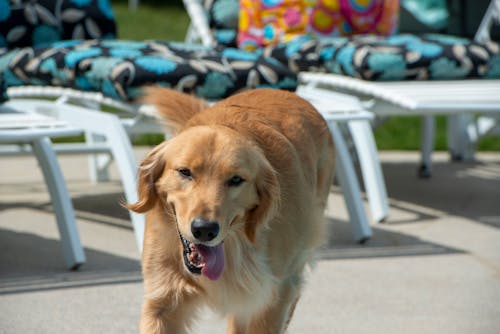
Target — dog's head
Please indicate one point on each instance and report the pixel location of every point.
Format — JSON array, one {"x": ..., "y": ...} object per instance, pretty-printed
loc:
[{"x": 215, "y": 182}]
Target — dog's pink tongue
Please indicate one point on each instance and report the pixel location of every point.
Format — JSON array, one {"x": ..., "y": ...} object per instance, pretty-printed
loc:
[{"x": 214, "y": 261}]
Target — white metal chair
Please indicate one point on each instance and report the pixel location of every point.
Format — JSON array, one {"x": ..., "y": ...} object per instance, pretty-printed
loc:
[
  {"x": 35, "y": 130},
  {"x": 460, "y": 100},
  {"x": 464, "y": 130},
  {"x": 426, "y": 98},
  {"x": 348, "y": 111},
  {"x": 344, "y": 110},
  {"x": 113, "y": 133}
]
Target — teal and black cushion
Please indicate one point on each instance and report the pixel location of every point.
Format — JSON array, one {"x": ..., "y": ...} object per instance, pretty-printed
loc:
[
  {"x": 301, "y": 54},
  {"x": 398, "y": 57},
  {"x": 41, "y": 22},
  {"x": 119, "y": 69},
  {"x": 410, "y": 57},
  {"x": 69, "y": 43}
]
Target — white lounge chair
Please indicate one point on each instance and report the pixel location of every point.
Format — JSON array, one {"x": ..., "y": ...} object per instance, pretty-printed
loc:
[
  {"x": 422, "y": 98},
  {"x": 112, "y": 133},
  {"x": 21, "y": 128},
  {"x": 347, "y": 111},
  {"x": 458, "y": 99}
]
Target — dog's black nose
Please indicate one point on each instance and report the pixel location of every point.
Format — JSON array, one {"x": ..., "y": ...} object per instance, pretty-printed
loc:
[{"x": 204, "y": 230}]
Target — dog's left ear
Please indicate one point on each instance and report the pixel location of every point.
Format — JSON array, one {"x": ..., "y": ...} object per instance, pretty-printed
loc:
[
  {"x": 268, "y": 190},
  {"x": 150, "y": 170}
]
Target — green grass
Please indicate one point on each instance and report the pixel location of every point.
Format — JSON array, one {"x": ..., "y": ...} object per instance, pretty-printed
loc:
[
  {"x": 162, "y": 20},
  {"x": 167, "y": 20},
  {"x": 403, "y": 133},
  {"x": 489, "y": 143}
]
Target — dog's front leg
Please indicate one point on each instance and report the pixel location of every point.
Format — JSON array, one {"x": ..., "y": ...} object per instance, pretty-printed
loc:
[
  {"x": 162, "y": 317},
  {"x": 274, "y": 319}
]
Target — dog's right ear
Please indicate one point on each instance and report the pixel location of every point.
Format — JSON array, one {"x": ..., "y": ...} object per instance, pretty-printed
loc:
[{"x": 150, "y": 170}]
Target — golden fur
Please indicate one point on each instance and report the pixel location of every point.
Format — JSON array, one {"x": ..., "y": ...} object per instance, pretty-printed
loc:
[{"x": 270, "y": 223}]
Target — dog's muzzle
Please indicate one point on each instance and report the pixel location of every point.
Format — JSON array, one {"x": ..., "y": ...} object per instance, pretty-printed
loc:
[{"x": 203, "y": 260}]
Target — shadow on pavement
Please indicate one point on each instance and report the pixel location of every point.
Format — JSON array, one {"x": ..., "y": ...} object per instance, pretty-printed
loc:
[
  {"x": 384, "y": 243},
  {"x": 30, "y": 263},
  {"x": 466, "y": 189}
]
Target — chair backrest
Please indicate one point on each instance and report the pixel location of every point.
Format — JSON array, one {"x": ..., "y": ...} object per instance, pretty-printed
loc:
[{"x": 41, "y": 22}]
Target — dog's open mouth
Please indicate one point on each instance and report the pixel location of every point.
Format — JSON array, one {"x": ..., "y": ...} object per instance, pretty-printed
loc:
[{"x": 201, "y": 259}]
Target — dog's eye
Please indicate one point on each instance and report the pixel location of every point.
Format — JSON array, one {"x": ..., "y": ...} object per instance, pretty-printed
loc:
[
  {"x": 185, "y": 172},
  {"x": 235, "y": 181}
]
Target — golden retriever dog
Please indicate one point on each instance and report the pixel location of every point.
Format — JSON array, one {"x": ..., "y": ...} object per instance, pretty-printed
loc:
[{"x": 234, "y": 205}]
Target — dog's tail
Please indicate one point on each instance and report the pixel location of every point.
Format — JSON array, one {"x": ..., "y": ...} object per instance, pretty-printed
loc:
[{"x": 174, "y": 107}]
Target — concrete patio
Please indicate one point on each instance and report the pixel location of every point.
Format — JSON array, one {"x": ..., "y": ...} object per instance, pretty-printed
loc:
[{"x": 433, "y": 267}]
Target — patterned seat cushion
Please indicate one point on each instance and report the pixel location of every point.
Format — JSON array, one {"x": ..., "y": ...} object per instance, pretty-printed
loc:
[
  {"x": 302, "y": 54},
  {"x": 41, "y": 22},
  {"x": 398, "y": 57},
  {"x": 119, "y": 69}
]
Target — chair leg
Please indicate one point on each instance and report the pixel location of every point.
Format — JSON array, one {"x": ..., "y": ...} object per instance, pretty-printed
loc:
[
  {"x": 462, "y": 136},
  {"x": 350, "y": 187},
  {"x": 74, "y": 255},
  {"x": 110, "y": 126},
  {"x": 98, "y": 163},
  {"x": 123, "y": 154},
  {"x": 366, "y": 149},
  {"x": 427, "y": 146}
]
